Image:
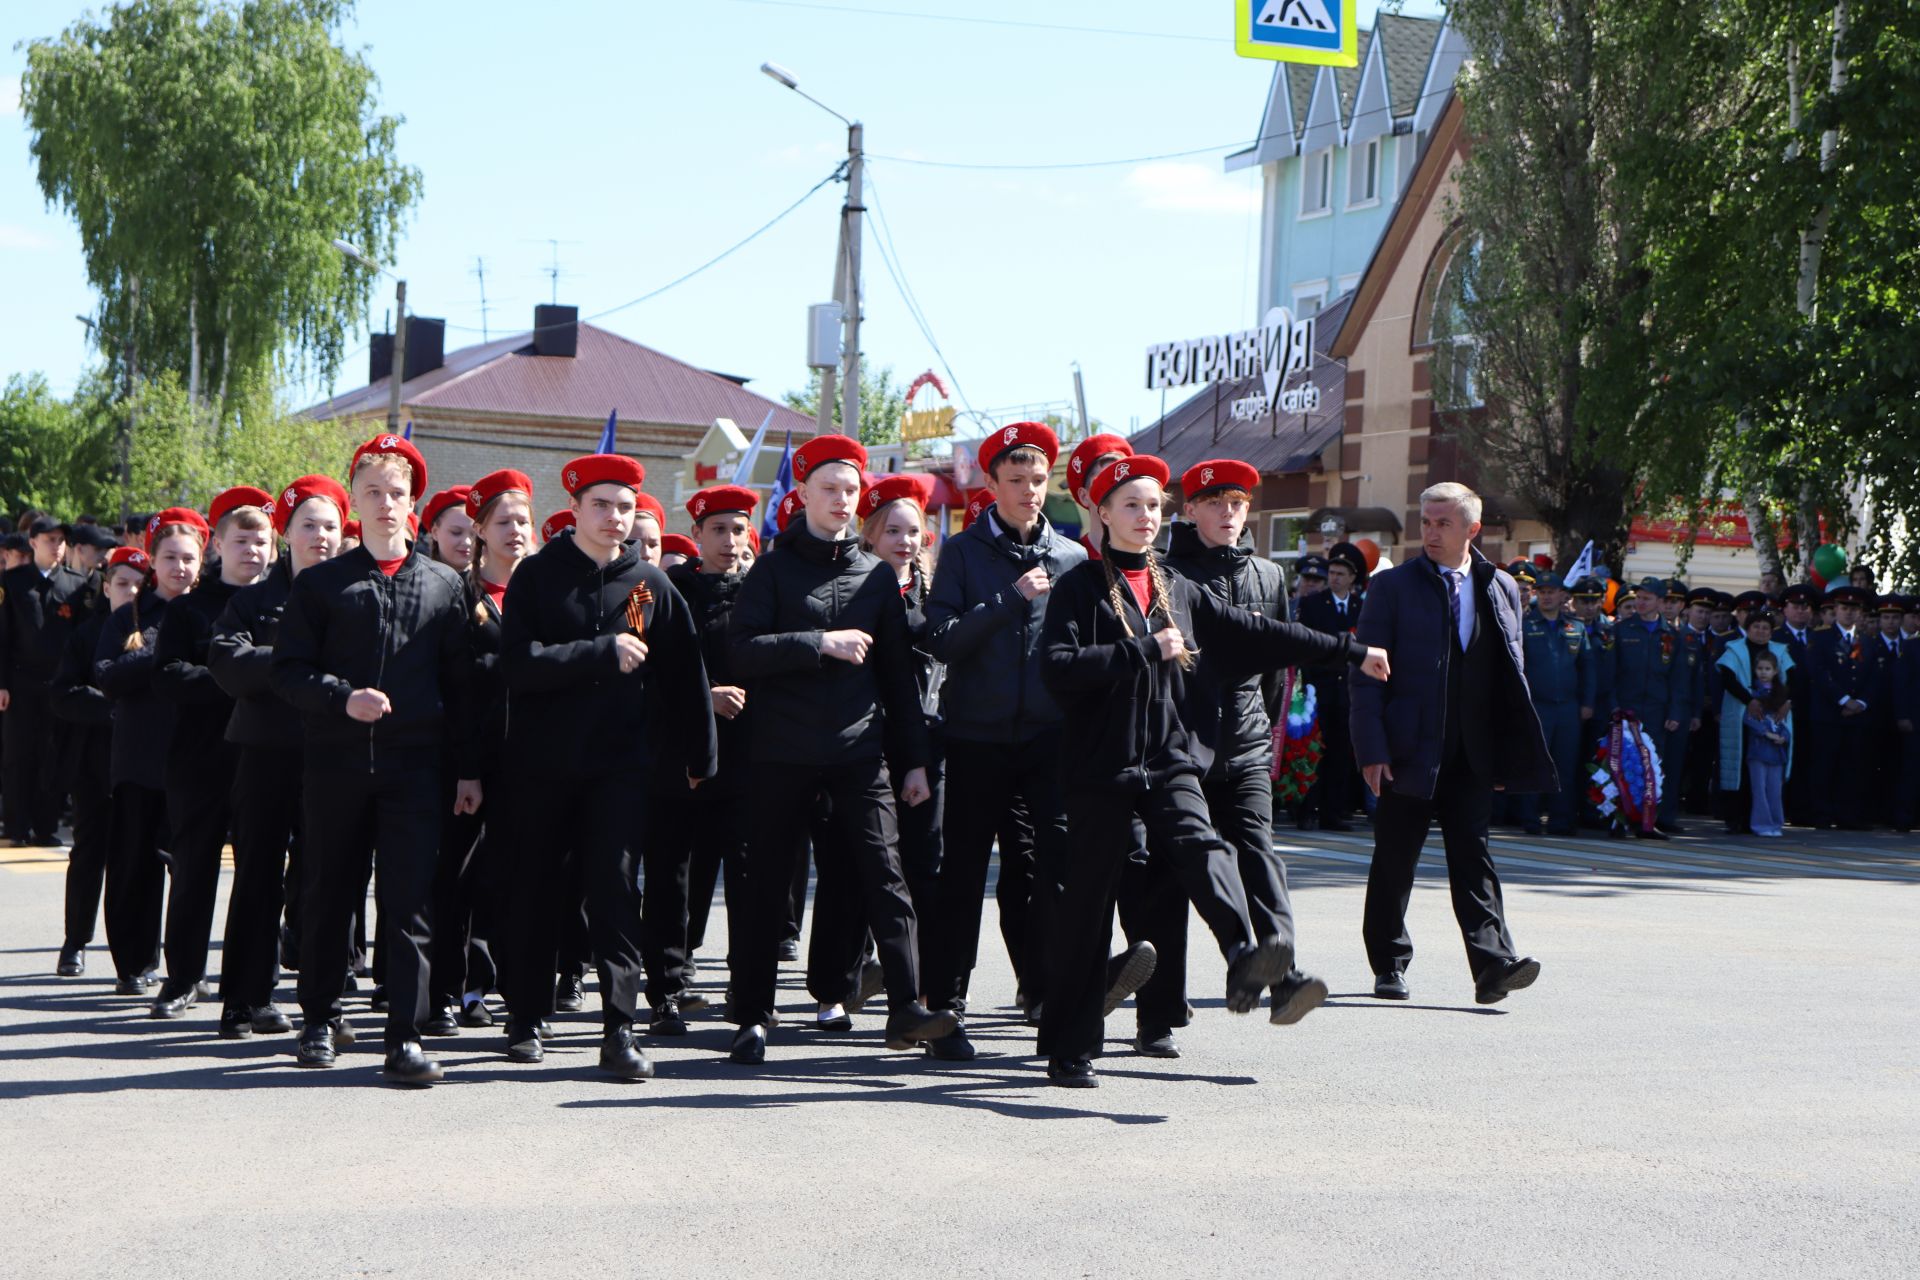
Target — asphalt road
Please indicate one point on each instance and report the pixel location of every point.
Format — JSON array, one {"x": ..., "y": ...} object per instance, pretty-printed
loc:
[{"x": 1715, "y": 1076}]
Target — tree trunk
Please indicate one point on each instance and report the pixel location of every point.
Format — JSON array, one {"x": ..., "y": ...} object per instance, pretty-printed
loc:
[{"x": 193, "y": 349}]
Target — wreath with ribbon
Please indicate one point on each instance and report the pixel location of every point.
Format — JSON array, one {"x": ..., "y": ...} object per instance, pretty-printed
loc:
[
  {"x": 1297, "y": 742},
  {"x": 1624, "y": 786}
]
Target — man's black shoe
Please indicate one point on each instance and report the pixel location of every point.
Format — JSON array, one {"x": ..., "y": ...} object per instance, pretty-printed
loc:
[
  {"x": 409, "y": 1064},
  {"x": 1072, "y": 1073},
  {"x": 545, "y": 1029},
  {"x": 917, "y": 1024},
  {"x": 1391, "y": 985},
  {"x": 523, "y": 1043},
  {"x": 569, "y": 994},
  {"x": 667, "y": 1020},
  {"x": 952, "y": 1047},
  {"x": 1296, "y": 997},
  {"x": 73, "y": 962},
  {"x": 475, "y": 1013},
  {"x": 316, "y": 1046},
  {"x": 1155, "y": 1042},
  {"x": 235, "y": 1025},
  {"x": 693, "y": 1002},
  {"x": 1508, "y": 975},
  {"x": 749, "y": 1046},
  {"x": 268, "y": 1020},
  {"x": 133, "y": 984},
  {"x": 174, "y": 999},
  {"x": 789, "y": 950},
  {"x": 1254, "y": 968},
  {"x": 1127, "y": 973},
  {"x": 620, "y": 1056},
  {"x": 441, "y": 1022}
]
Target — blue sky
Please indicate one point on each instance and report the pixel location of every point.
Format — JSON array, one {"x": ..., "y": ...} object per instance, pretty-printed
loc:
[{"x": 643, "y": 139}]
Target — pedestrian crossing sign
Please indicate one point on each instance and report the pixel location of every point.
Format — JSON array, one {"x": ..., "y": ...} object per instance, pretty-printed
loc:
[{"x": 1320, "y": 32}]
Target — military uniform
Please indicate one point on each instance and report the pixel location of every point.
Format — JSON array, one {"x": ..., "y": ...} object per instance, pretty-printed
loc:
[
  {"x": 37, "y": 613},
  {"x": 1842, "y": 671},
  {"x": 1651, "y": 677},
  {"x": 1561, "y": 678},
  {"x": 1336, "y": 787}
]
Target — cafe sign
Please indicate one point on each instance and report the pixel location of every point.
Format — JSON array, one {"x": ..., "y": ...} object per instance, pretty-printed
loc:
[{"x": 1280, "y": 346}]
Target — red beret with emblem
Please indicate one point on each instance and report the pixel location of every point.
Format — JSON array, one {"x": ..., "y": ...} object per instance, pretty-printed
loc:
[
  {"x": 1032, "y": 435},
  {"x": 679, "y": 544},
  {"x": 1139, "y": 466},
  {"x": 492, "y": 485},
  {"x": 645, "y": 504},
  {"x": 1087, "y": 452},
  {"x": 444, "y": 501},
  {"x": 1218, "y": 473},
  {"x": 241, "y": 495},
  {"x": 388, "y": 443},
  {"x": 722, "y": 497},
  {"x": 550, "y": 527},
  {"x": 824, "y": 449},
  {"x": 132, "y": 557},
  {"x": 789, "y": 508},
  {"x": 977, "y": 503},
  {"x": 916, "y": 488},
  {"x": 283, "y": 507},
  {"x": 177, "y": 515},
  {"x": 601, "y": 468}
]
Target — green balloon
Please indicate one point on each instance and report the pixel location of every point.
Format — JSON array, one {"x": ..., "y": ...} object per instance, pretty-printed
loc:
[{"x": 1829, "y": 561}]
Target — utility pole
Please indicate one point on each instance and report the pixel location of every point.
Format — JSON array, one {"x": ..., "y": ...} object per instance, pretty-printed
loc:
[
  {"x": 850, "y": 234},
  {"x": 399, "y": 373},
  {"x": 823, "y": 413}
]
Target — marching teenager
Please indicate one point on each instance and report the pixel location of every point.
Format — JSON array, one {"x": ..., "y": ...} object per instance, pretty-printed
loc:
[
  {"x": 448, "y": 521},
  {"x": 41, "y": 601},
  {"x": 269, "y": 763},
  {"x": 649, "y": 528},
  {"x": 374, "y": 653},
  {"x": 1239, "y": 787},
  {"x": 143, "y": 725},
  {"x": 200, "y": 765},
  {"x": 1120, "y": 645},
  {"x": 604, "y": 684},
  {"x": 88, "y": 752},
  {"x": 678, "y": 548},
  {"x": 470, "y": 891},
  {"x": 819, "y": 635}
]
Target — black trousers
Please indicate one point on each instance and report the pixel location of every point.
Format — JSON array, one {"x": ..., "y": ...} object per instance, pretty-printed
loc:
[
  {"x": 862, "y": 843},
  {"x": 1906, "y": 796},
  {"x": 1179, "y": 834},
  {"x": 267, "y": 785},
  {"x": 30, "y": 737},
  {"x": 462, "y": 957},
  {"x": 200, "y": 816},
  {"x": 666, "y": 866},
  {"x": 1336, "y": 780},
  {"x": 588, "y": 821},
  {"x": 575, "y": 956},
  {"x": 347, "y": 817},
  {"x": 1838, "y": 762},
  {"x": 1240, "y": 802},
  {"x": 136, "y": 878},
  {"x": 715, "y": 832},
  {"x": 1460, "y": 803},
  {"x": 92, "y": 838},
  {"x": 1153, "y": 908},
  {"x": 987, "y": 785}
]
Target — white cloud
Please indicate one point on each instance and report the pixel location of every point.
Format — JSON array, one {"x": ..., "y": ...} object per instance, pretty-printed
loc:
[
  {"x": 22, "y": 239},
  {"x": 1189, "y": 187}
]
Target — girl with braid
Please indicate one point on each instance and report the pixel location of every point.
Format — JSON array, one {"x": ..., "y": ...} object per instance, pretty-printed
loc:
[{"x": 1119, "y": 645}]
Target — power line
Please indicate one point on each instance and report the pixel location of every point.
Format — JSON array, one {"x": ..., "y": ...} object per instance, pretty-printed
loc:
[
  {"x": 981, "y": 22},
  {"x": 890, "y": 257}
]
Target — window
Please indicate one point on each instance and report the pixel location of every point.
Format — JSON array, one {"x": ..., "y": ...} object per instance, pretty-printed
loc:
[
  {"x": 1316, "y": 184},
  {"x": 1363, "y": 174},
  {"x": 1448, "y": 325},
  {"x": 1286, "y": 536},
  {"x": 1406, "y": 151},
  {"x": 1308, "y": 298}
]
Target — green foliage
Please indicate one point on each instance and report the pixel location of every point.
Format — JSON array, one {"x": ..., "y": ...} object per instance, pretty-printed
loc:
[
  {"x": 883, "y": 402},
  {"x": 183, "y": 454},
  {"x": 55, "y": 455}
]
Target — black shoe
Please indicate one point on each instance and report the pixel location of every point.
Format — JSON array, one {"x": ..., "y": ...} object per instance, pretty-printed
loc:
[
  {"x": 749, "y": 1046},
  {"x": 667, "y": 1020},
  {"x": 1072, "y": 1073},
  {"x": 1155, "y": 1042},
  {"x": 1033, "y": 1014},
  {"x": 316, "y": 1046},
  {"x": 475, "y": 1013},
  {"x": 1391, "y": 985},
  {"x": 693, "y": 1002},
  {"x": 545, "y": 1029},
  {"x": 203, "y": 989},
  {"x": 1127, "y": 973},
  {"x": 136, "y": 984},
  {"x": 873, "y": 980},
  {"x": 833, "y": 1017},
  {"x": 1295, "y": 998},
  {"x": 441, "y": 1022},
  {"x": 409, "y": 1064},
  {"x": 1508, "y": 975},
  {"x": 268, "y": 1020},
  {"x": 569, "y": 994},
  {"x": 952, "y": 1047},
  {"x": 523, "y": 1043},
  {"x": 789, "y": 950},
  {"x": 620, "y": 1056},
  {"x": 378, "y": 1001},
  {"x": 917, "y": 1024},
  {"x": 73, "y": 962},
  {"x": 174, "y": 1000},
  {"x": 1253, "y": 969},
  {"x": 235, "y": 1025},
  {"x": 350, "y": 985}
]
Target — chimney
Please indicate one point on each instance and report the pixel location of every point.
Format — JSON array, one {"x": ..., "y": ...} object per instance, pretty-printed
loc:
[
  {"x": 556, "y": 330},
  {"x": 426, "y": 349}
]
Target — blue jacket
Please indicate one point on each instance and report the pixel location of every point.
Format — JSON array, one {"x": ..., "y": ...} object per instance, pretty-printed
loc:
[
  {"x": 1760, "y": 750},
  {"x": 1402, "y": 723},
  {"x": 1653, "y": 672},
  {"x": 1560, "y": 664}
]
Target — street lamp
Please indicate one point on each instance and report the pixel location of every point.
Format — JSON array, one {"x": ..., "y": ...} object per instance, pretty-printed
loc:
[
  {"x": 398, "y": 372},
  {"x": 846, "y": 269}
]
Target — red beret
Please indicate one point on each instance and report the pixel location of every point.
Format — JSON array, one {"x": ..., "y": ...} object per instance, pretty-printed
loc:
[
  {"x": 1087, "y": 450},
  {"x": 131, "y": 556},
  {"x": 1139, "y": 466},
  {"x": 1218, "y": 473},
  {"x": 388, "y": 443},
  {"x": 1035, "y": 435},
  {"x": 753, "y": 539},
  {"x": 601, "y": 468},
  {"x": 177, "y": 515},
  {"x": 722, "y": 497},
  {"x": 789, "y": 508},
  {"x": 679, "y": 544},
  {"x": 550, "y": 527},
  {"x": 351, "y": 529},
  {"x": 828, "y": 449},
  {"x": 492, "y": 485},
  {"x": 283, "y": 507},
  {"x": 977, "y": 504},
  {"x": 413, "y": 527},
  {"x": 241, "y": 495},
  {"x": 443, "y": 501},
  {"x": 916, "y": 488},
  {"x": 645, "y": 504}
]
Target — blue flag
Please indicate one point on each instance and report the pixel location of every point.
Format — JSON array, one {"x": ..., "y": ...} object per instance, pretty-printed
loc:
[
  {"x": 407, "y": 434},
  {"x": 606, "y": 437},
  {"x": 782, "y": 486}
]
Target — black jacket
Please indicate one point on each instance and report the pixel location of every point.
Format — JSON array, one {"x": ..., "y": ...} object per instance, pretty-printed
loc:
[
  {"x": 929, "y": 673},
  {"x": 710, "y": 598},
  {"x": 1133, "y": 720},
  {"x": 181, "y": 676},
  {"x": 1236, "y": 576},
  {"x": 487, "y": 624},
  {"x": 347, "y": 626},
  {"x": 142, "y": 722},
  {"x": 814, "y": 709},
  {"x": 89, "y": 743},
  {"x": 240, "y": 656},
  {"x": 570, "y": 709},
  {"x": 989, "y": 636},
  {"x": 37, "y": 613},
  {"x": 1319, "y": 612}
]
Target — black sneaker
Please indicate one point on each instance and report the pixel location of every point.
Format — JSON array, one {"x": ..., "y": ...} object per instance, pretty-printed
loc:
[
  {"x": 1072, "y": 1073},
  {"x": 569, "y": 994},
  {"x": 409, "y": 1064},
  {"x": 316, "y": 1048},
  {"x": 268, "y": 1020},
  {"x": 1127, "y": 973},
  {"x": 667, "y": 1020},
  {"x": 1155, "y": 1042},
  {"x": 1252, "y": 970},
  {"x": 621, "y": 1057},
  {"x": 441, "y": 1023},
  {"x": 235, "y": 1025},
  {"x": 917, "y": 1024},
  {"x": 1295, "y": 998}
]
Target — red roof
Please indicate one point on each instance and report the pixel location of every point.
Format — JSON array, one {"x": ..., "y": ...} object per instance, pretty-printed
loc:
[{"x": 608, "y": 373}]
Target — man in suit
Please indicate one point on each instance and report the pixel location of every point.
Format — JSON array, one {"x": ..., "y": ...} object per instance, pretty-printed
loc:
[
  {"x": 1337, "y": 612},
  {"x": 1453, "y": 723}
]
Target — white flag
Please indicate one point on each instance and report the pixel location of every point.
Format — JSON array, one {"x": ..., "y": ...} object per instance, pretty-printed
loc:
[{"x": 1582, "y": 566}]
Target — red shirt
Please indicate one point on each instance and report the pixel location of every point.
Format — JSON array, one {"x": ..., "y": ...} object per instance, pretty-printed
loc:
[
  {"x": 1141, "y": 580},
  {"x": 496, "y": 592},
  {"x": 391, "y": 567}
]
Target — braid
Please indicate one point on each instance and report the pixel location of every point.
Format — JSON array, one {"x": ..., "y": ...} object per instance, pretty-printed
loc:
[
  {"x": 1163, "y": 602},
  {"x": 135, "y": 640},
  {"x": 1113, "y": 585}
]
